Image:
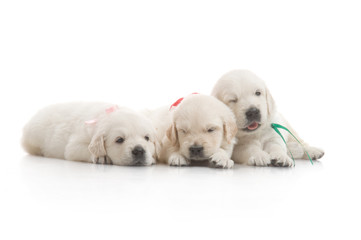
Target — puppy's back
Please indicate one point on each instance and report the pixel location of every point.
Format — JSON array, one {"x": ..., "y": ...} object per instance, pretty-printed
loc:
[{"x": 48, "y": 131}]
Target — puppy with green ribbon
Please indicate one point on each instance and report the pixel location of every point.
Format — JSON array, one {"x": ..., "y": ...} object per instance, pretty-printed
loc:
[{"x": 260, "y": 141}]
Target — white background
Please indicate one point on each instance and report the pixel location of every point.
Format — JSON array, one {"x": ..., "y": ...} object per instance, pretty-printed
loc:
[{"x": 145, "y": 54}]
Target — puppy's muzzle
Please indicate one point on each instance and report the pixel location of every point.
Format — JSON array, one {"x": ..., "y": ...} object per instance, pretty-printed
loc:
[
  {"x": 253, "y": 114},
  {"x": 138, "y": 154},
  {"x": 196, "y": 151}
]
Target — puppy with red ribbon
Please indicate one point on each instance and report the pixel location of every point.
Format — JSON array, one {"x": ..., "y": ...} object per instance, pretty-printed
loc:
[{"x": 195, "y": 128}]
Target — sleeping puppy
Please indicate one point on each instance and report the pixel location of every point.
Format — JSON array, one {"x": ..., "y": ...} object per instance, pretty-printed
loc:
[
  {"x": 199, "y": 128},
  {"x": 258, "y": 144},
  {"x": 91, "y": 132}
]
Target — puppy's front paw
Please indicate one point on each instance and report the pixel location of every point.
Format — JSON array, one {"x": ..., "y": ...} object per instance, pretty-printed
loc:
[
  {"x": 221, "y": 160},
  {"x": 315, "y": 153},
  {"x": 260, "y": 158},
  {"x": 101, "y": 160},
  {"x": 178, "y": 160},
  {"x": 153, "y": 161},
  {"x": 280, "y": 159}
]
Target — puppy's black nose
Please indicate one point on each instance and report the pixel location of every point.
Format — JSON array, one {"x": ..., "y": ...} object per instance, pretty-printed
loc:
[
  {"x": 138, "y": 152},
  {"x": 196, "y": 150},
  {"x": 253, "y": 114}
]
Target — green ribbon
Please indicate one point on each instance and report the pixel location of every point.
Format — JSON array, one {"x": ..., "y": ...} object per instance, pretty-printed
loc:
[{"x": 276, "y": 127}]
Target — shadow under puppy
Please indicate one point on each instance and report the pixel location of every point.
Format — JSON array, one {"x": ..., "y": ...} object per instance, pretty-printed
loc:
[
  {"x": 199, "y": 128},
  {"x": 255, "y": 111},
  {"x": 91, "y": 132}
]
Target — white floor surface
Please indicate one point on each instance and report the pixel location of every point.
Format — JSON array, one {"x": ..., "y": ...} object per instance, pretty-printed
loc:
[{"x": 58, "y": 199}]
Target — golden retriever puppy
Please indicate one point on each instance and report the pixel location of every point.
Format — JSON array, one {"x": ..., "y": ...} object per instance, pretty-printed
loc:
[
  {"x": 91, "y": 132},
  {"x": 199, "y": 128},
  {"x": 255, "y": 110}
]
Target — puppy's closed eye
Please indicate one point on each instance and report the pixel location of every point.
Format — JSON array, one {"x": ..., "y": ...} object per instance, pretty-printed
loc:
[
  {"x": 233, "y": 100},
  {"x": 183, "y": 131}
]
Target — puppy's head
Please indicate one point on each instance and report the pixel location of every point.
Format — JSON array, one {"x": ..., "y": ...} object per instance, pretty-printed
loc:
[
  {"x": 200, "y": 126},
  {"x": 248, "y": 97},
  {"x": 124, "y": 137}
]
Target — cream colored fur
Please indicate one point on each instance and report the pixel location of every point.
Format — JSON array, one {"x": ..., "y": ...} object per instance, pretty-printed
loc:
[
  {"x": 198, "y": 120},
  {"x": 261, "y": 147},
  {"x": 60, "y": 131}
]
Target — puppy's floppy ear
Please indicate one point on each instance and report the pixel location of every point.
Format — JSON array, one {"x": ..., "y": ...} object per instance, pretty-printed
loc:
[
  {"x": 271, "y": 106},
  {"x": 230, "y": 127},
  {"x": 96, "y": 146},
  {"x": 172, "y": 134},
  {"x": 157, "y": 148}
]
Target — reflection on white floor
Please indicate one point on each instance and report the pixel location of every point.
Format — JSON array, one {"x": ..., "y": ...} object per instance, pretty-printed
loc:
[{"x": 96, "y": 201}]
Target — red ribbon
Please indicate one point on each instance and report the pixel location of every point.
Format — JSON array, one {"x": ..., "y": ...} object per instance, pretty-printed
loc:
[{"x": 176, "y": 103}]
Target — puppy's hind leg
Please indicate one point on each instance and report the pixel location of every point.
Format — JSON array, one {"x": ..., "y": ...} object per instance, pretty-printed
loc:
[
  {"x": 298, "y": 151},
  {"x": 77, "y": 150}
]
